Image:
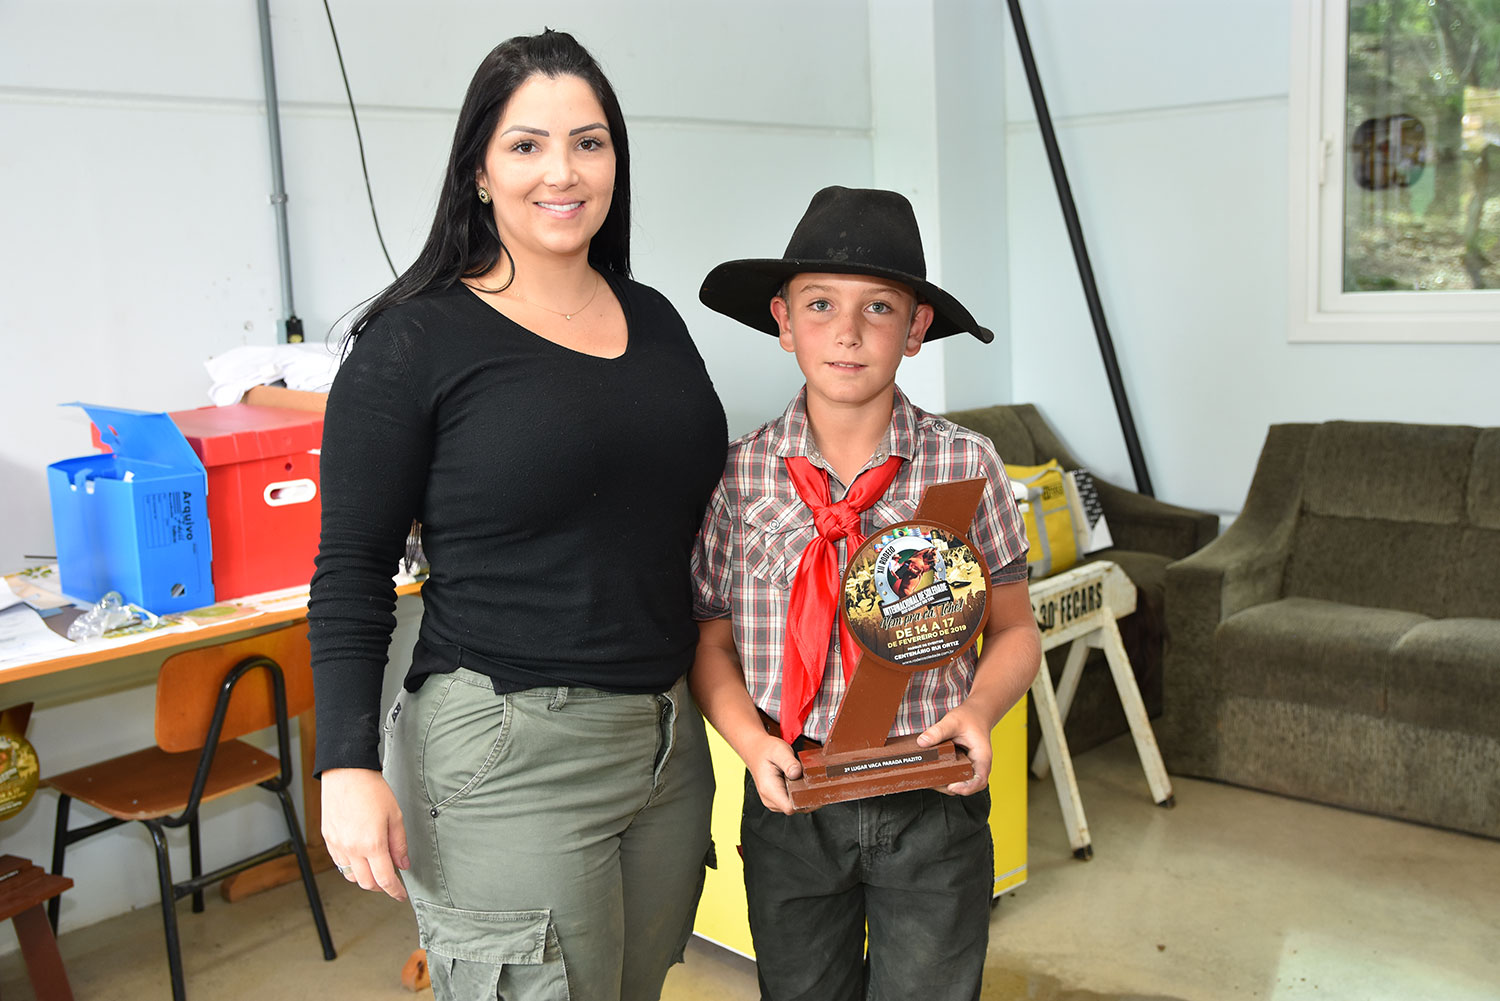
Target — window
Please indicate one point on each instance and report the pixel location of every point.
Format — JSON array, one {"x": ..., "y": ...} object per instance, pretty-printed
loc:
[{"x": 1395, "y": 152}]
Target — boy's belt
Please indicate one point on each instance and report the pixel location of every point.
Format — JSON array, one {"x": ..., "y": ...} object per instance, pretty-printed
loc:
[{"x": 802, "y": 743}]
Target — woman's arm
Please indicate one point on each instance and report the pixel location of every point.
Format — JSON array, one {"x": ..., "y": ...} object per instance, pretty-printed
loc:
[{"x": 375, "y": 460}]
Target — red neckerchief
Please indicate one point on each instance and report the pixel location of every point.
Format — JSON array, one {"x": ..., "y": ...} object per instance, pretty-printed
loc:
[{"x": 814, "y": 600}]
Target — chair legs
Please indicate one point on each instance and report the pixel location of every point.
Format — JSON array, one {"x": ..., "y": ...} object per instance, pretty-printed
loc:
[
  {"x": 314, "y": 900},
  {"x": 59, "y": 849},
  {"x": 62, "y": 837},
  {"x": 195, "y": 860},
  {"x": 168, "y": 908}
]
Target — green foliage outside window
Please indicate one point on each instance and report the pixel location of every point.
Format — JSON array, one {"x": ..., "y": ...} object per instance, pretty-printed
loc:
[{"x": 1422, "y": 140}]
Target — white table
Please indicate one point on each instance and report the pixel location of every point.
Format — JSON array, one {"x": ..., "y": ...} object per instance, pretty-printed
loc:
[{"x": 1080, "y": 607}]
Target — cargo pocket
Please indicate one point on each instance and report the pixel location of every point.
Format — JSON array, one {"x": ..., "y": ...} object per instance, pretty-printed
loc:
[{"x": 485, "y": 955}]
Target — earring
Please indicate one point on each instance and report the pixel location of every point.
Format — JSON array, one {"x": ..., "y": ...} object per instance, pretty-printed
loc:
[{"x": 484, "y": 196}]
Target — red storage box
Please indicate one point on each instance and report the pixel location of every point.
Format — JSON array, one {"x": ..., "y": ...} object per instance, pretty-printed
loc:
[{"x": 264, "y": 512}]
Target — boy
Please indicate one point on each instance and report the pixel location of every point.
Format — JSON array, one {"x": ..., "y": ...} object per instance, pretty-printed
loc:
[{"x": 849, "y": 456}]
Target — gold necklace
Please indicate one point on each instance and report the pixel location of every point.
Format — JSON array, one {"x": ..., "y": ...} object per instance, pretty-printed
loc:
[{"x": 570, "y": 314}]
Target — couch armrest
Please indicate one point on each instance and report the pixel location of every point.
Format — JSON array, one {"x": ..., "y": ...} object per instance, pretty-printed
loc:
[
  {"x": 1244, "y": 566},
  {"x": 1149, "y": 525},
  {"x": 1241, "y": 568}
]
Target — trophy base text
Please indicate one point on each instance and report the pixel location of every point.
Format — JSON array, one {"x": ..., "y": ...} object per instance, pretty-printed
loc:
[{"x": 899, "y": 766}]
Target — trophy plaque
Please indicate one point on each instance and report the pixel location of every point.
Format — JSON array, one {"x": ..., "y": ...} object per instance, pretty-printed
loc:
[{"x": 915, "y": 596}]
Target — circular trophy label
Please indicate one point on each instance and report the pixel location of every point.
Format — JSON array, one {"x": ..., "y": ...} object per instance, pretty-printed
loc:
[
  {"x": 915, "y": 595},
  {"x": 18, "y": 774}
]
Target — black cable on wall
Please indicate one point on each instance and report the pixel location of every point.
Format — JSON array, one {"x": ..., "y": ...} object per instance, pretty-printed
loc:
[{"x": 358, "y": 138}]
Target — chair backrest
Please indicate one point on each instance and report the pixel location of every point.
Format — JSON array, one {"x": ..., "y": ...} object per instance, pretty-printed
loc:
[{"x": 188, "y": 684}]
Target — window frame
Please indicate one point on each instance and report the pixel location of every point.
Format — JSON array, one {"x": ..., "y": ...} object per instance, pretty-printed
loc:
[{"x": 1320, "y": 310}]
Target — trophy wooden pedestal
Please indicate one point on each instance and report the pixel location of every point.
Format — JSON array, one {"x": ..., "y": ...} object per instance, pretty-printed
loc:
[
  {"x": 903, "y": 766},
  {"x": 927, "y": 597}
]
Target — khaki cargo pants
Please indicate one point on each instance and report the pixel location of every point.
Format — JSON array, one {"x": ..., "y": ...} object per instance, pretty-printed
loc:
[{"x": 558, "y": 836}]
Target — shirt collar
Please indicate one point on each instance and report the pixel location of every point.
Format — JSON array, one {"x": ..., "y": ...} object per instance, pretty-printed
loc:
[{"x": 797, "y": 439}]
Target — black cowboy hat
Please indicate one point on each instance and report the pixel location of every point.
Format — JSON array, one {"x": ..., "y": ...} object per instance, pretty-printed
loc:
[{"x": 846, "y": 231}]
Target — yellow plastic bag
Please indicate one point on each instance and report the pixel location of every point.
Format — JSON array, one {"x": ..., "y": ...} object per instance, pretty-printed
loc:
[{"x": 1042, "y": 497}]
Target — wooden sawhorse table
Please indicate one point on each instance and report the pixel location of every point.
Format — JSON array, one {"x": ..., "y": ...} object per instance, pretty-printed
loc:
[
  {"x": 1080, "y": 607},
  {"x": 24, "y": 892}
]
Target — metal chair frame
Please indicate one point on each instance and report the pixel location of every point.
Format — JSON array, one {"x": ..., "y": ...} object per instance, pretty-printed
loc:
[{"x": 171, "y": 891}]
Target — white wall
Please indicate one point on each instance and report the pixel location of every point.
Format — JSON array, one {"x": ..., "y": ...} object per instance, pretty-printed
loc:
[
  {"x": 139, "y": 240},
  {"x": 936, "y": 87},
  {"x": 138, "y": 171},
  {"x": 1172, "y": 118}
]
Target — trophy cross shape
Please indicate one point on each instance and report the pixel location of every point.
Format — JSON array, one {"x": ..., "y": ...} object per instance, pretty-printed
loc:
[{"x": 915, "y": 596}]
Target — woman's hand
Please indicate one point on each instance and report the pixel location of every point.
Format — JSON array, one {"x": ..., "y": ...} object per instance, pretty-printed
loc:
[{"x": 362, "y": 829}]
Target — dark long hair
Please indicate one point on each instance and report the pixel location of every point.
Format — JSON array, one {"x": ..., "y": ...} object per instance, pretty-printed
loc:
[{"x": 464, "y": 242}]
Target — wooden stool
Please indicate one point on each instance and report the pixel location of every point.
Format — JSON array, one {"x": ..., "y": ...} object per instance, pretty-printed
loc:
[
  {"x": 1081, "y": 606},
  {"x": 24, "y": 888}
]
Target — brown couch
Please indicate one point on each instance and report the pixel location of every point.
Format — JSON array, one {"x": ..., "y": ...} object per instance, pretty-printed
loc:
[
  {"x": 1341, "y": 640},
  {"x": 1148, "y": 535}
]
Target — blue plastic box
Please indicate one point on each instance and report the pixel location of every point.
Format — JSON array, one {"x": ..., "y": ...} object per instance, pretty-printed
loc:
[{"x": 135, "y": 520}]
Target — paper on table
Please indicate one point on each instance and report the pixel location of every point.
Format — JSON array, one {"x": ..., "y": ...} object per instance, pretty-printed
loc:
[
  {"x": 23, "y": 634},
  {"x": 38, "y": 587}
]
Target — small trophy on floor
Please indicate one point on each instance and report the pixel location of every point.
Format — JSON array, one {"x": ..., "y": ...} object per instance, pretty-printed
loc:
[{"x": 914, "y": 597}]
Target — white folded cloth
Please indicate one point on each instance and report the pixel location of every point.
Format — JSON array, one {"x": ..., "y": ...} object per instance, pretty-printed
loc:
[{"x": 308, "y": 367}]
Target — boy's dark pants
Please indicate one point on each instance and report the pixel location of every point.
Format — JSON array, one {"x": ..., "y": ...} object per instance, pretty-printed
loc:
[{"x": 919, "y": 867}]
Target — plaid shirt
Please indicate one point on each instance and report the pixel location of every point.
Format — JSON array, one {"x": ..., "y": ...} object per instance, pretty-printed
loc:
[{"x": 756, "y": 528}]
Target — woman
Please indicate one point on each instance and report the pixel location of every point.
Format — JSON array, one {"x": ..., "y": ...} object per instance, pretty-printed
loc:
[{"x": 546, "y": 784}]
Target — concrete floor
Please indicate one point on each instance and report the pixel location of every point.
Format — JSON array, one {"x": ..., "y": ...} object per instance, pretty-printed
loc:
[{"x": 1231, "y": 895}]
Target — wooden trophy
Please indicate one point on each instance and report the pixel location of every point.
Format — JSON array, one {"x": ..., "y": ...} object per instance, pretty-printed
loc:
[{"x": 915, "y": 596}]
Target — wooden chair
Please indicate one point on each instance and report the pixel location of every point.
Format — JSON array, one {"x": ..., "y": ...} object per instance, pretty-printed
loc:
[{"x": 205, "y": 699}]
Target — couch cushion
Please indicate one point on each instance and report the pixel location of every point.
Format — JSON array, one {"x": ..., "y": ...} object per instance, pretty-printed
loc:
[
  {"x": 1373, "y": 562},
  {"x": 1445, "y": 674},
  {"x": 1484, "y": 480},
  {"x": 1471, "y": 585},
  {"x": 1316, "y": 652},
  {"x": 1393, "y": 472},
  {"x": 1143, "y": 630},
  {"x": 1147, "y": 571}
]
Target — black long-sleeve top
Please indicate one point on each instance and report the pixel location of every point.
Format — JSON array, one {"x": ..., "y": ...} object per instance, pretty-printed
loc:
[{"x": 559, "y": 495}]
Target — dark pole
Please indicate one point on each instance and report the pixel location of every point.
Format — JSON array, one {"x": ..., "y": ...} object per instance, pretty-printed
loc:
[
  {"x": 291, "y": 325},
  {"x": 1081, "y": 255}
]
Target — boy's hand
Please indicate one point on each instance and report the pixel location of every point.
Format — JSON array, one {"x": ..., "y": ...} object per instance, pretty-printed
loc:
[
  {"x": 718, "y": 684},
  {"x": 970, "y": 729},
  {"x": 771, "y": 762}
]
